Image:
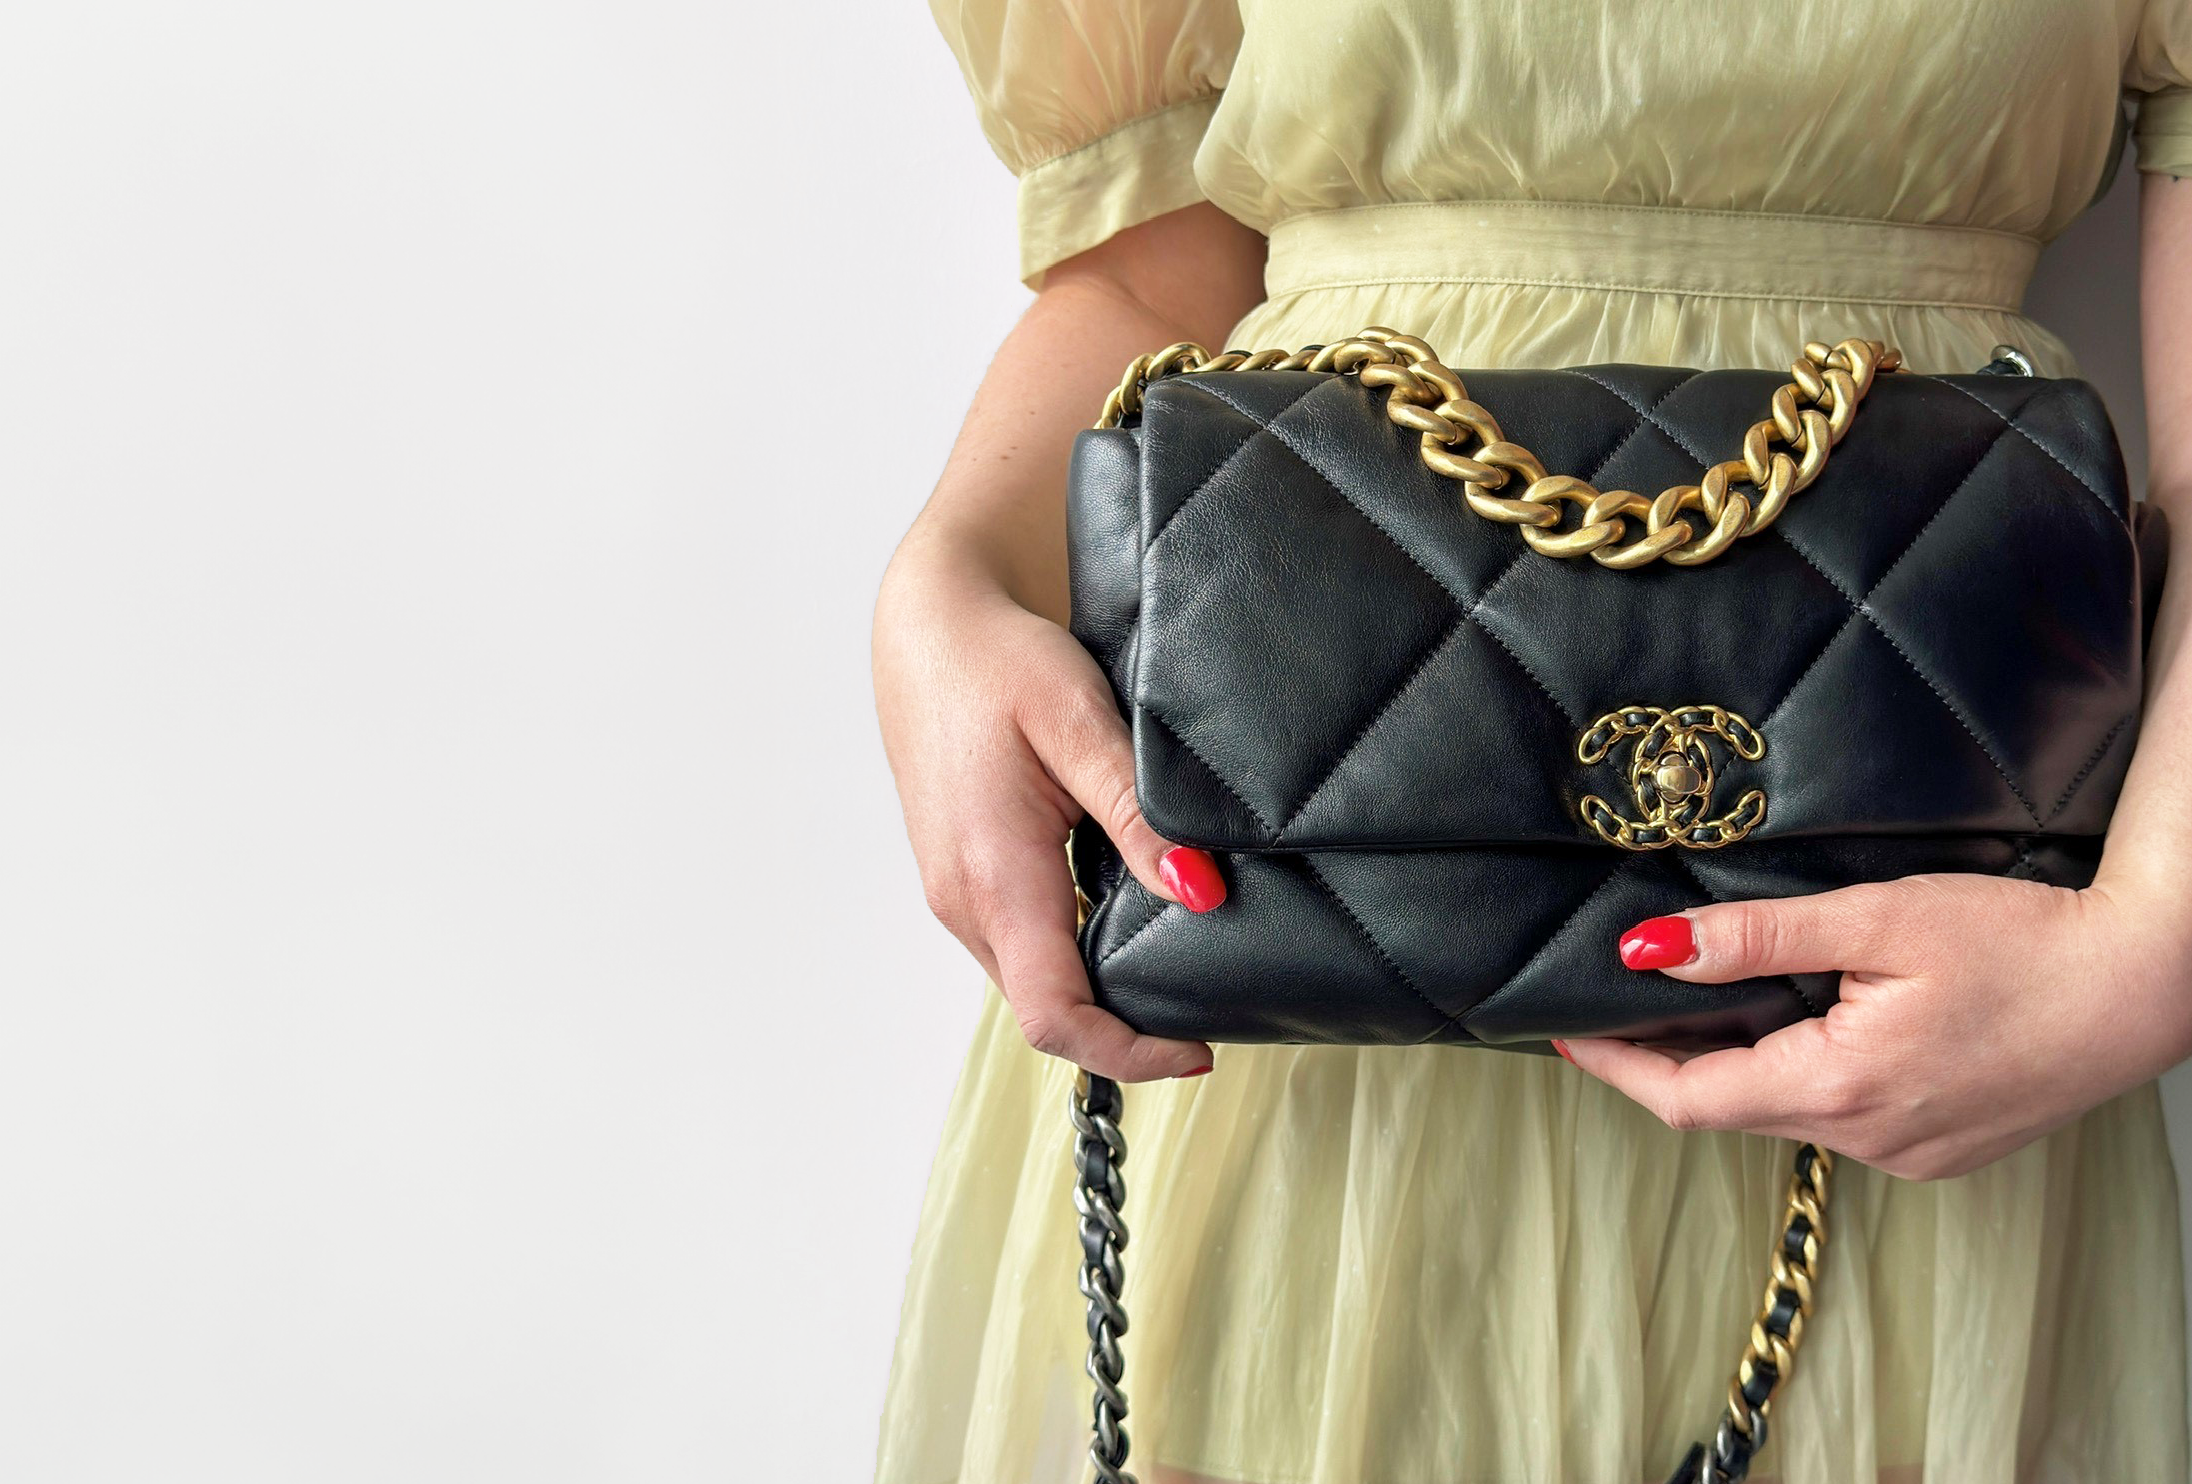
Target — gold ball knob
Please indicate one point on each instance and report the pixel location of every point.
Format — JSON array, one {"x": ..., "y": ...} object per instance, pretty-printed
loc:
[{"x": 1676, "y": 779}]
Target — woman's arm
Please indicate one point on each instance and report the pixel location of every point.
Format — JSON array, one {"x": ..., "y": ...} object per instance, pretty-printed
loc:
[
  {"x": 1978, "y": 1013},
  {"x": 2150, "y": 838},
  {"x": 1001, "y": 730}
]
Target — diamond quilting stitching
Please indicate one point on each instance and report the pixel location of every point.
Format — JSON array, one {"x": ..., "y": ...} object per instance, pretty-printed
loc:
[
  {"x": 1208, "y": 767},
  {"x": 1646, "y": 416},
  {"x": 1512, "y": 652},
  {"x": 1309, "y": 867},
  {"x": 2085, "y": 772},
  {"x": 1462, "y": 621},
  {"x": 1861, "y": 608},
  {"x": 1468, "y": 612},
  {"x": 1621, "y": 868},
  {"x": 1467, "y": 617},
  {"x": 1262, "y": 429},
  {"x": 1128, "y": 941},
  {"x": 1338, "y": 489},
  {"x": 1956, "y": 711},
  {"x": 2016, "y": 425},
  {"x": 1416, "y": 672},
  {"x": 1855, "y": 601}
]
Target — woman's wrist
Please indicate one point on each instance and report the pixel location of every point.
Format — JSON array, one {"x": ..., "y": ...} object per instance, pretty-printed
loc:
[
  {"x": 2144, "y": 904},
  {"x": 945, "y": 561},
  {"x": 2140, "y": 936}
]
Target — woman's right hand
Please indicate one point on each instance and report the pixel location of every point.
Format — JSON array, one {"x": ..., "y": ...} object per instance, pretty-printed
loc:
[{"x": 1002, "y": 734}]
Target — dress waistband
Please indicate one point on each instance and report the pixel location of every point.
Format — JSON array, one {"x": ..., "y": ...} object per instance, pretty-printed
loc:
[{"x": 1653, "y": 250}]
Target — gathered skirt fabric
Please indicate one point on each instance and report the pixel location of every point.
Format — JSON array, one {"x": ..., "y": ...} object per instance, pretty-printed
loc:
[{"x": 1443, "y": 1266}]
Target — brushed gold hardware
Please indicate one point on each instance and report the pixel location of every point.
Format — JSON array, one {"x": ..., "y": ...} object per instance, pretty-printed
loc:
[
  {"x": 1671, "y": 773},
  {"x": 1770, "y": 1354},
  {"x": 1462, "y": 441}
]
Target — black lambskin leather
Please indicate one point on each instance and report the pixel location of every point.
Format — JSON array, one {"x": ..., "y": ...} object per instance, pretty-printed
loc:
[{"x": 1365, "y": 699}]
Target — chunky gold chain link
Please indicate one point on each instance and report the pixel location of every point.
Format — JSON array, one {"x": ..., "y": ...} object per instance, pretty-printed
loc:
[{"x": 1462, "y": 440}]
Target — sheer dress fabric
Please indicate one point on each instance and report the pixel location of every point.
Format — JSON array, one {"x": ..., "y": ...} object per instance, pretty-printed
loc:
[{"x": 1427, "y": 1265}]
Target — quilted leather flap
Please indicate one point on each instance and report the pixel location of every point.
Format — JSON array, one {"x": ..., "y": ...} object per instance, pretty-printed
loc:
[{"x": 1321, "y": 647}]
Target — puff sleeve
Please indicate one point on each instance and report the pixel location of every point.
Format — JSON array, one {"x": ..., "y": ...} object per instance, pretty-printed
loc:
[
  {"x": 1098, "y": 106},
  {"x": 2158, "y": 76}
]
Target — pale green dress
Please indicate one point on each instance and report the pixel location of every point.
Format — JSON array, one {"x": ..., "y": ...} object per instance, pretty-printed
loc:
[{"x": 1432, "y": 1266}]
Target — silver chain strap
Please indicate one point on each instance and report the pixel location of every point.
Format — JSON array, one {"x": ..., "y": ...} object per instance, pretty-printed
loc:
[{"x": 1099, "y": 1190}]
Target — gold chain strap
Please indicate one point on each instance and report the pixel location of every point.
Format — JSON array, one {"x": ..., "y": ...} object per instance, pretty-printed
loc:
[
  {"x": 1770, "y": 1355},
  {"x": 1462, "y": 440}
]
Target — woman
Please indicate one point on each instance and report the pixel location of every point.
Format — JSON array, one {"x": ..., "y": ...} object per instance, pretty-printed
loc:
[{"x": 1375, "y": 1266}]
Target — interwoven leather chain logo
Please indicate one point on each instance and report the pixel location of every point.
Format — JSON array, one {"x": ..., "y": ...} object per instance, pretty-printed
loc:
[{"x": 1671, "y": 774}]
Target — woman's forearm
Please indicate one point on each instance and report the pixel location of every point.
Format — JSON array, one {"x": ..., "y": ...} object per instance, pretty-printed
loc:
[
  {"x": 2151, "y": 835},
  {"x": 998, "y": 512}
]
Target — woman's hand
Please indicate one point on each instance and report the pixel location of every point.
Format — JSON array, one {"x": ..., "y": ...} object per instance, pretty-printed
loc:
[
  {"x": 1002, "y": 732},
  {"x": 1977, "y": 1013}
]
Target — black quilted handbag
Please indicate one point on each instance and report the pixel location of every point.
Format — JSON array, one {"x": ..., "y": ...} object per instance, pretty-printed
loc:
[{"x": 1446, "y": 741}]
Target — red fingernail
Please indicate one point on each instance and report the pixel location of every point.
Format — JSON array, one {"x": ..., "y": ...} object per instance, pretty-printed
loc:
[
  {"x": 1562, "y": 1048},
  {"x": 1195, "y": 1072},
  {"x": 1192, "y": 876},
  {"x": 1659, "y": 943}
]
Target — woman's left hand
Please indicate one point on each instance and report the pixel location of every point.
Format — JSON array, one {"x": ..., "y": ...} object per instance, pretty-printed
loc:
[{"x": 1977, "y": 1013}]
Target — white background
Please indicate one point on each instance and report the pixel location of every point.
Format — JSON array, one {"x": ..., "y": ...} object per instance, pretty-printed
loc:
[{"x": 468, "y": 1010}]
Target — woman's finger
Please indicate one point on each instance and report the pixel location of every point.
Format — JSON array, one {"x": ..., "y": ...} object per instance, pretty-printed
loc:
[
  {"x": 1024, "y": 916},
  {"x": 1857, "y": 929},
  {"x": 1087, "y": 748},
  {"x": 1760, "y": 1089}
]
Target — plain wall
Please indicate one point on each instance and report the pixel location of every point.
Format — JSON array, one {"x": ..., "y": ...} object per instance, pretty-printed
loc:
[{"x": 468, "y": 1008}]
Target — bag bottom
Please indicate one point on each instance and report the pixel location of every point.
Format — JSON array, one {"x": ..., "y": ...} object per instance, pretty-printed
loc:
[{"x": 1501, "y": 946}]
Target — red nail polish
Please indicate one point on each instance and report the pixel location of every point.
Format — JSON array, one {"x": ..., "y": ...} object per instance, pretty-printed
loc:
[
  {"x": 1659, "y": 943},
  {"x": 1192, "y": 876},
  {"x": 1562, "y": 1048},
  {"x": 1195, "y": 1072}
]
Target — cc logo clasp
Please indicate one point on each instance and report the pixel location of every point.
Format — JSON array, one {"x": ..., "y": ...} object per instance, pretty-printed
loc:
[{"x": 1671, "y": 775}]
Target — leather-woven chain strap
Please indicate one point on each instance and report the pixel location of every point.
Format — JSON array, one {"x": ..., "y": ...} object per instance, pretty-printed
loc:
[
  {"x": 1099, "y": 1192},
  {"x": 1462, "y": 440}
]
